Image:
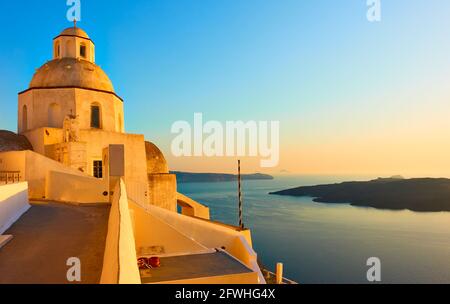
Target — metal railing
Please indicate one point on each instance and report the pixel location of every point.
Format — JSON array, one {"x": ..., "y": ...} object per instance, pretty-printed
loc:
[{"x": 9, "y": 177}]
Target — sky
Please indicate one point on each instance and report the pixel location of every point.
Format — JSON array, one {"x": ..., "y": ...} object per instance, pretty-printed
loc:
[{"x": 352, "y": 97}]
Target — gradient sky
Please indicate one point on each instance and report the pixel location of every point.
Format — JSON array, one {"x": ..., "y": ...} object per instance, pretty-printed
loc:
[{"x": 352, "y": 97}]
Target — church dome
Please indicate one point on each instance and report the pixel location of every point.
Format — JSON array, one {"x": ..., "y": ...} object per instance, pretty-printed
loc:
[
  {"x": 74, "y": 31},
  {"x": 71, "y": 72},
  {"x": 156, "y": 162},
  {"x": 10, "y": 141}
]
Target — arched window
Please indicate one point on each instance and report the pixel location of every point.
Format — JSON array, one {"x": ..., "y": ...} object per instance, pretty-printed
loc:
[
  {"x": 83, "y": 53},
  {"x": 96, "y": 116},
  {"x": 54, "y": 116},
  {"x": 24, "y": 118},
  {"x": 57, "y": 50}
]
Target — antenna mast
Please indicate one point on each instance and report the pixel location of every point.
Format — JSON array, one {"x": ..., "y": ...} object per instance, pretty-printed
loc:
[{"x": 241, "y": 221}]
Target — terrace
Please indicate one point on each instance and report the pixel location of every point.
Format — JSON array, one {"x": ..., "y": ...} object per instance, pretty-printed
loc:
[
  {"x": 217, "y": 267},
  {"x": 48, "y": 235},
  {"x": 108, "y": 239}
]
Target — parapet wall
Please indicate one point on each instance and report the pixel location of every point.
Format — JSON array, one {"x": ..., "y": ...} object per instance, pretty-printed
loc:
[
  {"x": 120, "y": 260},
  {"x": 64, "y": 187},
  {"x": 51, "y": 180},
  {"x": 189, "y": 207},
  {"x": 13, "y": 204}
]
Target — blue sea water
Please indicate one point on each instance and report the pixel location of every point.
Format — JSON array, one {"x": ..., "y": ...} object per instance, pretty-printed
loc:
[{"x": 331, "y": 243}]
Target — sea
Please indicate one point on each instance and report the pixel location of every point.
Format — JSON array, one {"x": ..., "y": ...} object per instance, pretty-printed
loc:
[{"x": 331, "y": 243}]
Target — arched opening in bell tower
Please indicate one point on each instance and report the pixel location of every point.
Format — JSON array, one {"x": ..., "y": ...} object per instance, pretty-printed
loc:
[
  {"x": 83, "y": 51},
  {"x": 57, "y": 51}
]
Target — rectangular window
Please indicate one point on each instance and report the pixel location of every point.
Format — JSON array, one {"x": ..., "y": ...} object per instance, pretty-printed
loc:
[
  {"x": 83, "y": 51},
  {"x": 95, "y": 117},
  {"x": 98, "y": 169}
]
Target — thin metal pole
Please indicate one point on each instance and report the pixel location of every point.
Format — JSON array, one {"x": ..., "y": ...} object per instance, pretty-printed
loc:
[{"x": 241, "y": 221}]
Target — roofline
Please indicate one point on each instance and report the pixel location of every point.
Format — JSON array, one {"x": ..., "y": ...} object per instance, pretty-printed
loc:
[
  {"x": 81, "y": 37},
  {"x": 71, "y": 87}
]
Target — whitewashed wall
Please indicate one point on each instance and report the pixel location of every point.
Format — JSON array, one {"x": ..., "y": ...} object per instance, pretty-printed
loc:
[{"x": 13, "y": 204}]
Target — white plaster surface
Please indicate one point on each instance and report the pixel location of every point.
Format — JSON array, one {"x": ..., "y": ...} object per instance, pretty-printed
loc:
[
  {"x": 4, "y": 239},
  {"x": 13, "y": 204}
]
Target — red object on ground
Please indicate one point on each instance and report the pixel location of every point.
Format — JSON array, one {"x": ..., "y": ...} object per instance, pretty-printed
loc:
[
  {"x": 149, "y": 263},
  {"x": 154, "y": 262},
  {"x": 143, "y": 263}
]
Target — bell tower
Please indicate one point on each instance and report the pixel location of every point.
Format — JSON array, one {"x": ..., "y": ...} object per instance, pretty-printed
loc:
[{"x": 73, "y": 42}]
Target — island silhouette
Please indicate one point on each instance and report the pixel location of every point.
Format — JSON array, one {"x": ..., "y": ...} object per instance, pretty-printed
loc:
[{"x": 394, "y": 193}]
